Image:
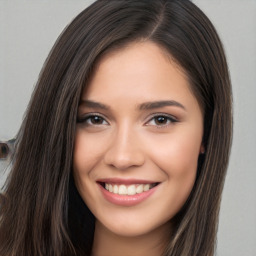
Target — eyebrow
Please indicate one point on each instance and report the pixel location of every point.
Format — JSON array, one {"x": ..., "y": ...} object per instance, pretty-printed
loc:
[
  {"x": 144, "y": 106},
  {"x": 160, "y": 104},
  {"x": 93, "y": 104}
]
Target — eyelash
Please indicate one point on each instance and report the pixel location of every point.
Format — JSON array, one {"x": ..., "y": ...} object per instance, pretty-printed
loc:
[
  {"x": 169, "y": 118},
  {"x": 88, "y": 117}
]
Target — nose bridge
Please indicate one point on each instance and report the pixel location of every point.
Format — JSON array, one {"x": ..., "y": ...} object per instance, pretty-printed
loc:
[{"x": 124, "y": 150}]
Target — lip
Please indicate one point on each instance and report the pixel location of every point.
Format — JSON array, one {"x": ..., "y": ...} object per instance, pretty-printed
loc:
[
  {"x": 126, "y": 181},
  {"x": 126, "y": 200}
]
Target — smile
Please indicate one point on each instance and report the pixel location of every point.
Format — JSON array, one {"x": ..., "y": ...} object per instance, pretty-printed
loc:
[
  {"x": 127, "y": 192},
  {"x": 131, "y": 189}
]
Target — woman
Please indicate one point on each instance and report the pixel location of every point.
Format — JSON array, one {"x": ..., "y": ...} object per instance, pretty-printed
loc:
[{"x": 131, "y": 118}]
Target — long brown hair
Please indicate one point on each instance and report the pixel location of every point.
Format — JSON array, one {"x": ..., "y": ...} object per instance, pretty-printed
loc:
[{"x": 35, "y": 217}]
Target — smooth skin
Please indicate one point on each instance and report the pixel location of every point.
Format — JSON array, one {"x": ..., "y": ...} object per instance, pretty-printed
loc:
[{"x": 137, "y": 119}]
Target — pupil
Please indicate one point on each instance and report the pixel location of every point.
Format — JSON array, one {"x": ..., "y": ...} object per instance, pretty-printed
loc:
[
  {"x": 161, "y": 120},
  {"x": 96, "y": 120}
]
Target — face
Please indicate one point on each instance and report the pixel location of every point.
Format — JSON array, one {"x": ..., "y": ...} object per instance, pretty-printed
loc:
[{"x": 138, "y": 138}]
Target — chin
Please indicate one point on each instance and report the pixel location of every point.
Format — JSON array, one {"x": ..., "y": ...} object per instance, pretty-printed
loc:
[{"x": 134, "y": 228}]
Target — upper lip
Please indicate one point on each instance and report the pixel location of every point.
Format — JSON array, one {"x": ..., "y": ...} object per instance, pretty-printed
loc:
[{"x": 125, "y": 181}]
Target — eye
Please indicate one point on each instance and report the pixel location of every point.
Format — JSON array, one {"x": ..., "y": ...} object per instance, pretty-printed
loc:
[
  {"x": 161, "y": 120},
  {"x": 92, "y": 120}
]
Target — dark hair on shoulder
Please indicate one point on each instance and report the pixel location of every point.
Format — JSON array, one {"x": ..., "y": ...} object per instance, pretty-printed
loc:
[{"x": 37, "y": 217}]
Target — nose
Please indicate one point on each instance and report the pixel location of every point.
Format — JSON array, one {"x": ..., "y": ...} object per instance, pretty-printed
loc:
[{"x": 124, "y": 150}]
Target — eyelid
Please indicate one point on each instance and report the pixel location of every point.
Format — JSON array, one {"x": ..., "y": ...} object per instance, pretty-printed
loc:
[
  {"x": 172, "y": 119},
  {"x": 83, "y": 118}
]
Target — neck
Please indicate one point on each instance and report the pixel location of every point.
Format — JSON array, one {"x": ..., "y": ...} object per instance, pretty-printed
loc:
[{"x": 150, "y": 244}]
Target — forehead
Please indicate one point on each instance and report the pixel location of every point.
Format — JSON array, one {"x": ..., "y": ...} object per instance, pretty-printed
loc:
[
  {"x": 136, "y": 64},
  {"x": 138, "y": 49}
]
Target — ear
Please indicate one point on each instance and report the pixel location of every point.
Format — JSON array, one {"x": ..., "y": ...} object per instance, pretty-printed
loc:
[{"x": 202, "y": 149}]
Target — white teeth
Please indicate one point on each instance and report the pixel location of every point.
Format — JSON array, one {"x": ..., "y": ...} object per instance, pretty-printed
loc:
[
  {"x": 131, "y": 190},
  {"x": 146, "y": 187},
  {"x": 122, "y": 190},
  {"x": 115, "y": 190},
  {"x": 139, "y": 189},
  {"x": 128, "y": 190}
]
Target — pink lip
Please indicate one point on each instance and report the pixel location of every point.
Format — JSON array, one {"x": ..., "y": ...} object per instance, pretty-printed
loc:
[{"x": 126, "y": 200}]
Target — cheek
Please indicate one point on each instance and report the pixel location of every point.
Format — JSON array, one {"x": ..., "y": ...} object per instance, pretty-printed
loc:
[
  {"x": 177, "y": 157},
  {"x": 86, "y": 153},
  {"x": 178, "y": 154},
  {"x": 179, "y": 163},
  {"x": 85, "y": 157}
]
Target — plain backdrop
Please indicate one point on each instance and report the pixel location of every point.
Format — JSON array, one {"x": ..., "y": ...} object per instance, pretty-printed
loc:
[{"x": 28, "y": 30}]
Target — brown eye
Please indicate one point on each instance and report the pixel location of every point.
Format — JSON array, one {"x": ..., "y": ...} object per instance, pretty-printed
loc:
[
  {"x": 96, "y": 120},
  {"x": 92, "y": 120},
  {"x": 161, "y": 120}
]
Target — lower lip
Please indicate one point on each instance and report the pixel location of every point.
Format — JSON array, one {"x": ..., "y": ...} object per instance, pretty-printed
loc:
[{"x": 125, "y": 200}]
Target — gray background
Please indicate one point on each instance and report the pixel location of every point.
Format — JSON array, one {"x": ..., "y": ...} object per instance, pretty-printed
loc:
[{"x": 28, "y": 30}]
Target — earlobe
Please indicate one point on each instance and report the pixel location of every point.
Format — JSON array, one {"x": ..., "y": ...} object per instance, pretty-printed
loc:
[{"x": 202, "y": 149}]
